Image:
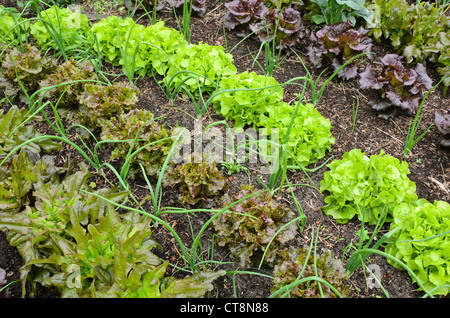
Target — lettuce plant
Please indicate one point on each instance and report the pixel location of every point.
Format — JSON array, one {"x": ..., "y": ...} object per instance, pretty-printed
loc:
[
  {"x": 199, "y": 180},
  {"x": 395, "y": 87},
  {"x": 298, "y": 263},
  {"x": 420, "y": 32},
  {"x": 210, "y": 62},
  {"x": 242, "y": 13},
  {"x": 442, "y": 123},
  {"x": 59, "y": 28},
  {"x": 285, "y": 27},
  {"x": 13, "y": 133},
  {"x": 422, "y": 242},
  {"x": 163, "y": 44},
  {"x": 246, "y": 98},
  {"x": 310, "y": 136},
  {"x": 24, "y": 70},
  {"x": 249, "y": 226},
  {"x": 198, "y": 6},
  {"x": 366, "y": 187},
  {"x": 44, "y": 227},
  {"x": 336, "y": 44},
  {"x": 69, "y": 71},
  {"x": 102, "y": 102},
  {"x": 138, "y": 130},
  {"x": 116, "y": 35}
]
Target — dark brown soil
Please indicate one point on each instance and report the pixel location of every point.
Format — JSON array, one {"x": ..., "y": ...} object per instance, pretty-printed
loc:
[{"x": 428, "y": 162}]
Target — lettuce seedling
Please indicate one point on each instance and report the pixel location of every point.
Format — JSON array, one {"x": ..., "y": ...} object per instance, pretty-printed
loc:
[
  {"x": 139, "y": 131},
  {"x": 422, "y": 242},
  {"x": 20, "y": 173},
  {"x": 395, "y": 88},
  {"x": 249, "y": 226},
  {"x": 298, "y": 263},
  {"x": 102, "y": 102},
  {"x": 199, "y": 181},
  {"x": 442, "y": 123},
  {"x": 366, "y": 187},
  {"x": 336, "y": 44},
  {"x": 23, "y": 71}
]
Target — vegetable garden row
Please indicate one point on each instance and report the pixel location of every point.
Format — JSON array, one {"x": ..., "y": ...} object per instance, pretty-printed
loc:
[{"x": 91, "y": 242}]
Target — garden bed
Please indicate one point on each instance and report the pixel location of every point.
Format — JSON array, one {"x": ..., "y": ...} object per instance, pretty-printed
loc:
[{"x": 428, "y": 163}]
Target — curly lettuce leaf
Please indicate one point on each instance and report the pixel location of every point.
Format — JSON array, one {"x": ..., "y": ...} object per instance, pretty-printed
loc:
[
  {"x": 21, "y": 72},
  {"x": 72, "y": 28},
  {"x": 250, "y": 225},
  {"x": 209, "y": 63},
  {"x": 366, "y": 187},
  {"x": 246, "y": 98},
  {"x": 395, "y": 87},
  {"x": 310, "y": 136},
  {"x": 423, "y": 243},
  {"x": 337, "y": 44}
]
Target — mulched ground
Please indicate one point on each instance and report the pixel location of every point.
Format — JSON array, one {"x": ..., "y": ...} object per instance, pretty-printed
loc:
[{"x": 428, "y": 162}]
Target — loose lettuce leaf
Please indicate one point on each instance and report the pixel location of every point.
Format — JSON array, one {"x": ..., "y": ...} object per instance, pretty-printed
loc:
[
  {"x": 285, "y": 27},
  {"x": 19, "y": 174},
  {"x": 198, "y": 6},
  {"x": 13, "y": 133},
  {"x": 159, "y": 44},
  {"x": 102, "y": 102},
  {"x": 116, "y": 35},
  {"x": 420, "y": 32},
  {"x": 242, "y": 13},
  {"x": 374, "y": 186},
  {"x": 423, "y": 242},
  {"x": 199, "y": 181},
  {"x": 155, "y": 285},
  {"x": 13, "y": 28},
  {"x": 442, "y": 123},
  {"x": 65, "y": 96},
  {"x": 45, "y": 231}
]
